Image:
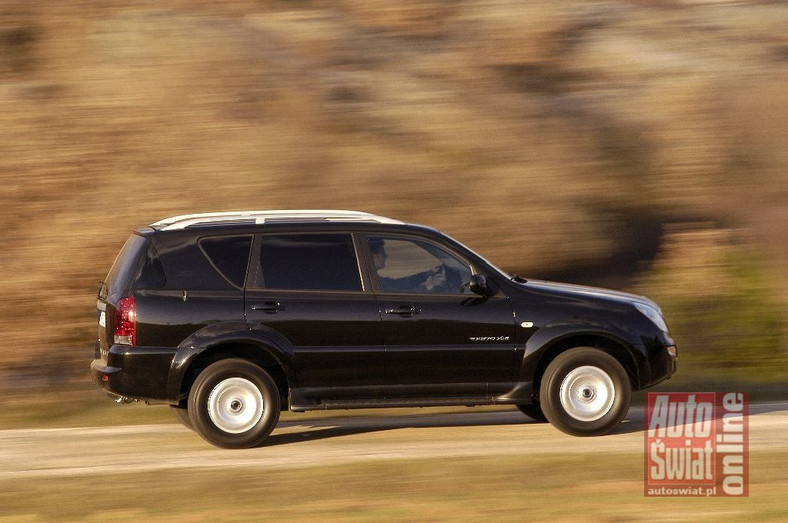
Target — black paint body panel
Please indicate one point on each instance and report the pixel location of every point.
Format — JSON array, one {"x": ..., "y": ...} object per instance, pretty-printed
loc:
[{"x": 344, "y": 349}]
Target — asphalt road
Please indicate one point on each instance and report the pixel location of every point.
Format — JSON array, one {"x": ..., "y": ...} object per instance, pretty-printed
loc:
[{"x": 51, "y": 453}]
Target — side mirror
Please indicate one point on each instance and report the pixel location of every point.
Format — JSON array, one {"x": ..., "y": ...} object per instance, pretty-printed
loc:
[{"x": 478, "y": 285}]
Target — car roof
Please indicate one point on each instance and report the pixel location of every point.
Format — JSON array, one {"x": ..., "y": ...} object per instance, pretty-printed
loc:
[{"x": 271, "y": 216}]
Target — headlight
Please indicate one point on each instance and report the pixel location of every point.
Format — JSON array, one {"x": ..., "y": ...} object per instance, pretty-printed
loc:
[{"x": 653, "y": 314}]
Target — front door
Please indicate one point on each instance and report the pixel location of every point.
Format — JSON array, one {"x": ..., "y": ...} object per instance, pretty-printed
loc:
[{"x": 439, "y": 336}]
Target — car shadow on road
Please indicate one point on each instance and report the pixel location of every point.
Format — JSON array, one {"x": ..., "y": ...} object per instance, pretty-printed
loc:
[
  {"x": 289, "y": 432},
  {"x": 635, "y": 420},
  {"x": 630, "y": 426},
  {"x": 314, "y": 430}
]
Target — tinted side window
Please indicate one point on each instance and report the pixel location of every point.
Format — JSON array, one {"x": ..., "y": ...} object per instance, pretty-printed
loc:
[
  {"x": 152, "y": 275},
  {"x": 127, "y": 265},
  {"x": 411, "y": 265},
  {"x": 230, "y": 256},
  {"x": 325, "y": 262}
]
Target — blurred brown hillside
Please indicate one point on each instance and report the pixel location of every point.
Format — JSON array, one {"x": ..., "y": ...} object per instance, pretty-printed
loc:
[{"x": 629, "y": 143}]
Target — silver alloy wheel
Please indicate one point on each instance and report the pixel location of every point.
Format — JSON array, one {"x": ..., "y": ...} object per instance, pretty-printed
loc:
[
  {"x": 587, "y": 393},
  {"x": 235, "y": 405}
]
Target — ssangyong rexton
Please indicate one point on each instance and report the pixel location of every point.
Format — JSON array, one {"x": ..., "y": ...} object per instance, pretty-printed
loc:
[{"x": 231, "y": 317}]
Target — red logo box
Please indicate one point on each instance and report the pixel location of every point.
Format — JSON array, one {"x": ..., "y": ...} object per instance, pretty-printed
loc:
[{"x": 696, "y": 444}]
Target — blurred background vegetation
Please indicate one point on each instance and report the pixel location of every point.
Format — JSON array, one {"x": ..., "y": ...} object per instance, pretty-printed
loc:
[{"x": 636, "y": 144}]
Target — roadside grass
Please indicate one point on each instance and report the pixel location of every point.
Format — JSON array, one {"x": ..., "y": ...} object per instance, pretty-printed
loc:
[
  {"x": 723, "y": 308},
  {"x": 577, "y": 487}
]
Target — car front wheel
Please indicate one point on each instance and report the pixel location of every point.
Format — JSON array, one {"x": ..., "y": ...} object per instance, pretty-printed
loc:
[
  {"x": 234, "y": 403},
  {"x": 585, "y": 392}
]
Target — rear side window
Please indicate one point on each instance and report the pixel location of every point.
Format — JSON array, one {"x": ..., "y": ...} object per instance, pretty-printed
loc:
[
  {"x": 229, "y": 255},
  {"x": 152, "y": 274},
  {"x": 127, "y": 265},
  {"x": 325, "y": 262}
]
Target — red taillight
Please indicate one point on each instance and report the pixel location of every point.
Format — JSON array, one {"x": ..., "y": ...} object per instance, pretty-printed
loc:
[{"x": 126, "y": 321}]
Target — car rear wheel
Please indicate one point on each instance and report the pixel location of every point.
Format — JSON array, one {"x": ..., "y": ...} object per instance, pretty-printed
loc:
[
  {"x": 234, "y": 404},
  {"x": 585, "y": 392}
]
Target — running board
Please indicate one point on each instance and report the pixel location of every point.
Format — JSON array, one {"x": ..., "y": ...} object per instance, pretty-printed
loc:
[{"x": 338, "y": 404}]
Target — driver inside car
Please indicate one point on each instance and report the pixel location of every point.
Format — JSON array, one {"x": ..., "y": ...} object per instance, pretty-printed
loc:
[{"x": 433, "y": 280}]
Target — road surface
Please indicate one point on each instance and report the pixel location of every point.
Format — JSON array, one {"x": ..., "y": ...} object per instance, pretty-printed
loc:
[{"x": 66, "y": 452}]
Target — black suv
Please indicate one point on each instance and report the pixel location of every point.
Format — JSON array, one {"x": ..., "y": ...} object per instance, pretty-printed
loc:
[{"x": 231, "y": 317}]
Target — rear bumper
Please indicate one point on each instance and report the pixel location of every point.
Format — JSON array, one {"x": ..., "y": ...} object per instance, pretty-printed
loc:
[{"x": 134, "y": 372}]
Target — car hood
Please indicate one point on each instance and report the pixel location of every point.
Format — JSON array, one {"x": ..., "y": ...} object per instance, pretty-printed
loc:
[{"x": 582, "y": 291}]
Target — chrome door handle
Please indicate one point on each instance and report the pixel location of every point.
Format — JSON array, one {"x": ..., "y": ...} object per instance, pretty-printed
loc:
[
  {"x": 404, "y": 311},
  {"x": 269, "y": 307}
]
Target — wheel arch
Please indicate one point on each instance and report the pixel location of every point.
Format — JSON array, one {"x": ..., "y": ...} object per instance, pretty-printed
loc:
[
  {"x": 261, "y": 355},
  {"x": 536, "y": 363}
]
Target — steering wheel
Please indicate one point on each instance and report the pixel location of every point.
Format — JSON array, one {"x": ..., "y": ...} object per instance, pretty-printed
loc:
[{"x": 452, "y": 281}]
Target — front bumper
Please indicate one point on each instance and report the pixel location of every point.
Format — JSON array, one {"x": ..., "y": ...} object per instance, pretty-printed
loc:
[
  {"x": 662, "y": 362},
  {"x": 134, "y": 372}
]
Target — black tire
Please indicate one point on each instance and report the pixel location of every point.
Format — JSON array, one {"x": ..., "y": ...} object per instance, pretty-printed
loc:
[
  {"x": 533, "y": 411},
  {"x": 234, "y": 404},
  {"x": 585, "y": 392},
  {"x": 182, "y": 415}
]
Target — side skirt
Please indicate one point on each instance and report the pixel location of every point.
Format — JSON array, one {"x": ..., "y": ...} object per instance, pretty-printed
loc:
[{"x": 305, "y": 399}]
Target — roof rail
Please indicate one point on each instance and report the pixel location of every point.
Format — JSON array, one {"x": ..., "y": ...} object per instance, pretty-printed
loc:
[{"x": 261, "y": 217}]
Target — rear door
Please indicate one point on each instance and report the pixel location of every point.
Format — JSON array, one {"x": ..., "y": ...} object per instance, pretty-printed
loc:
[{"x": 309, "y": 289}]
